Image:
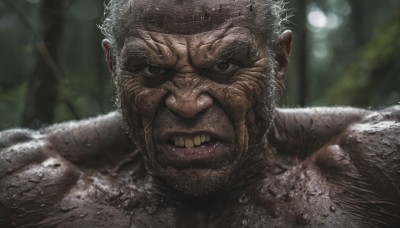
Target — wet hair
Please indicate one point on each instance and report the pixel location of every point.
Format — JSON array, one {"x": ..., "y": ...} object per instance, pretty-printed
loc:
[{"x": 272, "y": 17}]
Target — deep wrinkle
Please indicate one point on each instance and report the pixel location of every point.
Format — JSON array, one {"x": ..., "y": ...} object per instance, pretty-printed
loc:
[
  {"x": 196, "y": 87},
  {"x": 316, "y": 167},
  {"x": 188, "y": 51},
  {"x": 232, "y": 91}
]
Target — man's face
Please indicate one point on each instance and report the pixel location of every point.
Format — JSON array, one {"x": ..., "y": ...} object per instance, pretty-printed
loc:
[{"x": 196, "y": 87}]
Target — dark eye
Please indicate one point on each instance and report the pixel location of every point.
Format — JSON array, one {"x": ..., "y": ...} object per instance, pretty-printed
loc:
[
  {"x": 153, "y": 71},
  {"x": 224, "y": 67}
]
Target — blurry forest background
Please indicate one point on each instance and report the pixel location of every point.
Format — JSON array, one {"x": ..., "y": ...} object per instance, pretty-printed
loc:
[{"x": 346, "y": 52}]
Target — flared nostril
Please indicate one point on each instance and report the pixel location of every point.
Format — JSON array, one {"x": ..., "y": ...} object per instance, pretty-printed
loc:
[{"x": 188, "y": 106}]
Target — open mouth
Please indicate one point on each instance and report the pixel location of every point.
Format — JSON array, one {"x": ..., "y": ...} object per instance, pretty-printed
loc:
[
  {"x": 189, "y": 142},
  {"x": 194, "y": 150}
]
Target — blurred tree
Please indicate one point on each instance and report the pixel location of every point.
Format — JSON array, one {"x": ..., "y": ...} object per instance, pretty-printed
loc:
[
  {"x": 337, "y": 31},
  {"x": 43, "y": 87},
  {"x": 374, "y": 78},
  {"x": 297, "y": 82},
  {"x": 302, "y": 60},
  {"x": 357, "y": 17},
  {"x": 17, "y": 23}
]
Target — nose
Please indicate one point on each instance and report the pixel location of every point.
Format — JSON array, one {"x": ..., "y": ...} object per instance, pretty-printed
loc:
[{"x": 188, "y": 105}]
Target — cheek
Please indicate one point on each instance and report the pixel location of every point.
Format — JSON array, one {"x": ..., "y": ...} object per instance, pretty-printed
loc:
[
  {"x": 247, "y": 104},
  {"x": 143, "y": 100},
  {"x": 241, "y": 97},
  {"x": 138, "y": 106}
]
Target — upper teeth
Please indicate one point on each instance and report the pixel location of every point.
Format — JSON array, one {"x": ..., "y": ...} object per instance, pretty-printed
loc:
[{"x": 190, "y": 142}]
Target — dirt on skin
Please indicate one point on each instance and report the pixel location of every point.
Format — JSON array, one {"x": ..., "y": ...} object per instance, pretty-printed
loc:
[{"x": 88, "y": 174}]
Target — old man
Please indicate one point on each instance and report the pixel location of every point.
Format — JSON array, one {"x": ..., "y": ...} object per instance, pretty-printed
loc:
[{"x": 197, "y": 86}]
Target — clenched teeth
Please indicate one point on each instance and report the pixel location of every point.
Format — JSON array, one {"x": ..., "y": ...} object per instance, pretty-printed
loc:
[{"x": 190, "y": 142}]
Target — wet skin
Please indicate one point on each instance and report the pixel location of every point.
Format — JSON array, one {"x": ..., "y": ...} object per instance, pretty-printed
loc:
[
  {"x": 194, "y": 100},
  {"x": 323, "y": 167},
  {"x": 204, "y": 91},
  {"x": 208, "y": 82}
]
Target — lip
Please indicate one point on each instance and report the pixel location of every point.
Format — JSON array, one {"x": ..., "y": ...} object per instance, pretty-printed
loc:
[
  {"x": 211, "y": 155},
  {"x": 167, "y": 135}
]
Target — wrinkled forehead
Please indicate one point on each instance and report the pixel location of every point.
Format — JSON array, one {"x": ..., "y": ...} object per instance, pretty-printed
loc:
[{"x": 186, "y": 16}]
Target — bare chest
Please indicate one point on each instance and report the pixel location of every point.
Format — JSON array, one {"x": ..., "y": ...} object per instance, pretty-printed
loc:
[{"x": 298, "y": 198}]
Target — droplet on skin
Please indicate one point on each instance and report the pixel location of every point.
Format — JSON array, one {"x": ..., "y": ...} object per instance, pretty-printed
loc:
[
  {"x": 276, "y": 212},
  {"x": 243, "y": 199},
  {"x": 289, "y": 196},
  {"x": 332, "y": 209},
  {"x": 303, "y": 218},
  {"x": 151, "y": 209}
]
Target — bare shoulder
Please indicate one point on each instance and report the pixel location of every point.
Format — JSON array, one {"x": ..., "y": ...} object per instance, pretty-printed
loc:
[
  {"x": 302, "y": 131},
  {"x": 373, "y": 144},
  {"x": 362, "y": 164},
  {"x": 32, "y": 176},
  {"x": 91, "y": 142},
  {"x": 357, "y": 151},
  {"x": 45, "y": 174}
]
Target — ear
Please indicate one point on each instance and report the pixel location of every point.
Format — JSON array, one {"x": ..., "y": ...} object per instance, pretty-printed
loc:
[
  {"x": 110, "y": 58},
  {"x": 283, "y": 47}
]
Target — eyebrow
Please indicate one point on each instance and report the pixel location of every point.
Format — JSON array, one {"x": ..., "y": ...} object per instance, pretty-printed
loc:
[
  {"x": 228, "y": 49},
  {"x": 233, "y": 48},
  {"x": 140, "y": 53}
]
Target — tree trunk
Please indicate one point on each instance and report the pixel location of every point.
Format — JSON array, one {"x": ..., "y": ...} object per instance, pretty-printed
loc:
[
  {"x": 360, "y": 38},
  {"x": 101, "y": 71},
  {"x": 43, "y": 87},
  {"x": 303, "y": 56}
]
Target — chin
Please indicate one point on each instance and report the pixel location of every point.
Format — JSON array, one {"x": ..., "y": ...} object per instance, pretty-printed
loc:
[
  {"x": 198, "y": 170},
  {"x": 196, "y": 182}
]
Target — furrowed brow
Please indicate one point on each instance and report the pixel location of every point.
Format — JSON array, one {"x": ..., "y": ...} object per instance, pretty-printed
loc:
[
  {"x": 233, "y": 49},
  {"x": 139, "y": 53}
]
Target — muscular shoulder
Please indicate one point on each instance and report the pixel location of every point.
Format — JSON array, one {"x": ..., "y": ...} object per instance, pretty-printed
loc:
[
  {"x": 357, "y": 151},
  {"x": 302, "y": 131},
  {"x": 363, "y": 165},
  {"x": 32, "y": 177},
  {"x": 373, "y": 145},
  {"x": 41, "y": 170}
]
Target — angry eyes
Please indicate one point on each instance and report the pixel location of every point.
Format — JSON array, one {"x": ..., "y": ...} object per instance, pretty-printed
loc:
[
  {"x": 221, "y": 68},
  {"x": 153, "y": 71},
  {"x": 224, "y": 67}
]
